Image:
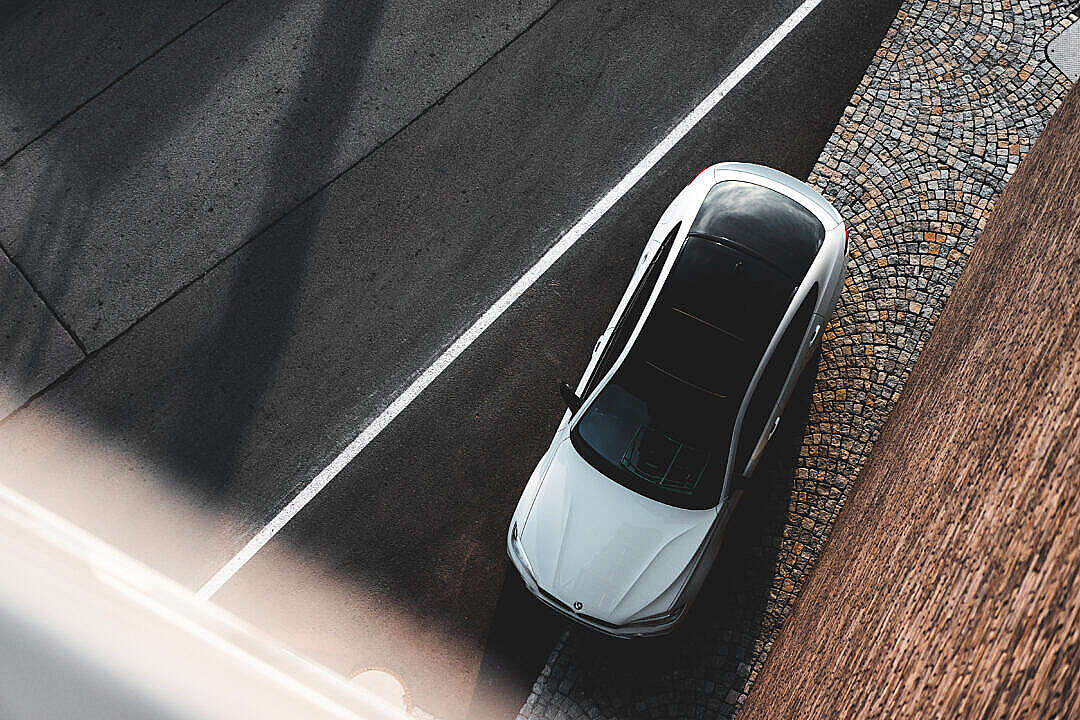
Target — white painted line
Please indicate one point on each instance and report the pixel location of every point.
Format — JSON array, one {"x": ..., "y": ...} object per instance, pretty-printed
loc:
[{"x": 492, "y": 314}]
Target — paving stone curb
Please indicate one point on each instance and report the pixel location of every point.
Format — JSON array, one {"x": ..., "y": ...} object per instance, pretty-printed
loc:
[{"x": 953, "y": 100}]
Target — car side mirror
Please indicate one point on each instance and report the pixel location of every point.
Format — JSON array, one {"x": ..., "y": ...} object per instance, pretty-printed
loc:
[{"x": 569, "y": 397}]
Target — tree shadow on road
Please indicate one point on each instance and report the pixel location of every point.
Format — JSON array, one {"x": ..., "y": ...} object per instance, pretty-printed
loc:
[{"x": 189, "y": 404}]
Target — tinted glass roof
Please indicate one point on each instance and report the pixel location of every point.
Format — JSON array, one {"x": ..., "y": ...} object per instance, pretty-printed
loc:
[
  {"x": 762, "y": 222},
  {"x": 714, "y": 317}
]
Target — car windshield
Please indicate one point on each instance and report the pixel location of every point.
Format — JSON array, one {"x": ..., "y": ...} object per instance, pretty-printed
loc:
[{"x": 658, "y": 434}]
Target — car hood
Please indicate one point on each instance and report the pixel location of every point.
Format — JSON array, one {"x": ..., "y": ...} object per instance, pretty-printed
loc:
[{"x": 589, "y": 540}]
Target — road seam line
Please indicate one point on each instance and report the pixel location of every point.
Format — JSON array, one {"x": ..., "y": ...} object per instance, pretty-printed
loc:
[
  {"x": 48, "y": 306},
  {"x": 549, "y": 258},
  {"x": 79, "y": 106}
]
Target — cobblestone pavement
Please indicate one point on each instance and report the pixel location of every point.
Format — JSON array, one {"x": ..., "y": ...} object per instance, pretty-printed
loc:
[{"x": 953, "y": 100}]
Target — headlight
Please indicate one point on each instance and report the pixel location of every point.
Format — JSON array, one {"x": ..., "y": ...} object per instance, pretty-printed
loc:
[
  {"x": 519, "y": 552},
  {"x": 658, "y": 619}
]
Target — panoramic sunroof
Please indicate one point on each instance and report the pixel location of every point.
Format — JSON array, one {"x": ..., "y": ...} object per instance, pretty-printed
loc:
[
  {"x": 688, "y": 348},
  {"x": 713, "y": 318}
]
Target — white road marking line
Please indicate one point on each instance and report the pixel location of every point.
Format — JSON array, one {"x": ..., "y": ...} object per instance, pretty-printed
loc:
[{"x": 492, "y": 314}]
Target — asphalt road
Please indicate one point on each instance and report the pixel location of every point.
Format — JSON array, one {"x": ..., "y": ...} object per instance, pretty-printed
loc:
[{"x": 261, "y": 222}]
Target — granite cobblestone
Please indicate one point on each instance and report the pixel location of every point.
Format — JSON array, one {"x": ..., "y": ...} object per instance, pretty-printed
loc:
[{"x": 954, "y": 98}]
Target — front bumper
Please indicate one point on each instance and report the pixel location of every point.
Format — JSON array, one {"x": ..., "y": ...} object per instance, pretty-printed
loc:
[{"x": 625, "y": 632}]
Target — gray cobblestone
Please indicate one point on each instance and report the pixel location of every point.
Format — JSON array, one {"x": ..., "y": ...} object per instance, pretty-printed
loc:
[{"x": 954, "y": 98}]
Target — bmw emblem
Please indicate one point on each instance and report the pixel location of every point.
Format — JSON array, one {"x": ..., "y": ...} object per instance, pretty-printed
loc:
[{"x": 577, "y": 606}]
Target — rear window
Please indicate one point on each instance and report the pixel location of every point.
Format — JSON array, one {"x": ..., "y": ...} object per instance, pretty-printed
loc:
[{"x": 762, "y": 222}]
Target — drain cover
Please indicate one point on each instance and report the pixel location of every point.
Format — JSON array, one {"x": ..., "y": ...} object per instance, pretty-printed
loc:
[{"x": 1064, "y": 51}]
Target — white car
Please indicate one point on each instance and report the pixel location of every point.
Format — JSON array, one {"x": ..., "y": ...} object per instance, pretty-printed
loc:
[{"x": 622, "y": 518}]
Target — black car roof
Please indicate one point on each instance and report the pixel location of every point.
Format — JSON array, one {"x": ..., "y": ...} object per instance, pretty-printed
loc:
[
  {"x": 714, "y": 317},
  {"x": 685, "y": 376},
  {"x": 761, "y": 222}
]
